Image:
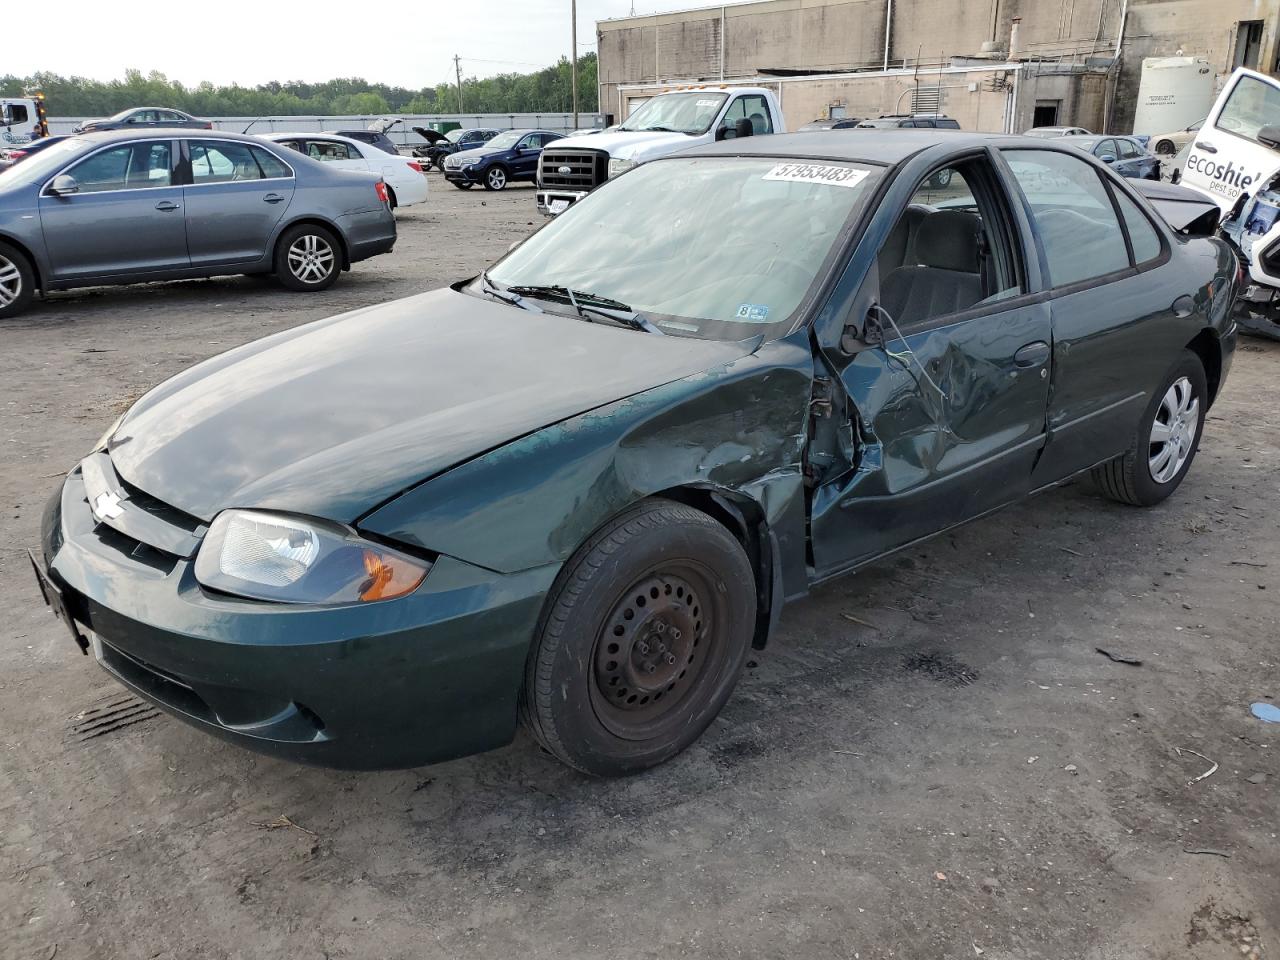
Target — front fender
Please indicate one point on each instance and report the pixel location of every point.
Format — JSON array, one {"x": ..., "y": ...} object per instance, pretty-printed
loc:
[{"x": 738, "y": 427}]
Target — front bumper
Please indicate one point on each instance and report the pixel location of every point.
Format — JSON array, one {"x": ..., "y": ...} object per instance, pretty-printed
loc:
[
  {"x": 552, "y": 202},
  {"x": 464, "y": 174},
  {"x": 428, "y": 677}
]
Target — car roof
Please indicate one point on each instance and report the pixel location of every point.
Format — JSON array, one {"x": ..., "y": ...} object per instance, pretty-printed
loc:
[
  {"x": 164, "y": 133},
  {"x": 887, "y": 145}
]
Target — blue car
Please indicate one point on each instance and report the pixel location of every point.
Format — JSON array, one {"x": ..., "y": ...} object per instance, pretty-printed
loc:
[
  {"x": 508, "y": 157},
  {"x": 1126, "y": 155}
]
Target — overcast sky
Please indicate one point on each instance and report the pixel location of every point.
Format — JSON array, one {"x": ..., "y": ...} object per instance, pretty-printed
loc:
[{"x": 409, "y": 43}]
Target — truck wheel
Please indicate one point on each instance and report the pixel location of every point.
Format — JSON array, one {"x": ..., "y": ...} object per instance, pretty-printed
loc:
[
  {"x": 642, "y": 640},
  {"x": 496, "y": 178},
  {"x": 307, "y": 258},
  {"x": 17, "y": 281},
  {"x": 1165, "y": 442}
]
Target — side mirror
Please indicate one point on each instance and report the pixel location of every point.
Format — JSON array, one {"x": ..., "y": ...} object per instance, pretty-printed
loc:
[
  {"x": 1269, "y": 136},
  {"x": 1107, "y": 158},
  {"x": 64, "y": 185}
]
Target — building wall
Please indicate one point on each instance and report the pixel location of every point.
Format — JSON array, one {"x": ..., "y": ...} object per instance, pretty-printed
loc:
[{"x": 830, "y": 35}]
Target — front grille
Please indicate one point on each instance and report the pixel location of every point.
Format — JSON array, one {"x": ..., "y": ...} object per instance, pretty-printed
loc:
[
  {"x": 587, "y": 169},
  {"x": 141, "y": 526}
]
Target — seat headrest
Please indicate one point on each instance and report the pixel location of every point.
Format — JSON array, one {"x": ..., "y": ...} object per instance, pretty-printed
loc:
[{"x": 948, "y": 240}]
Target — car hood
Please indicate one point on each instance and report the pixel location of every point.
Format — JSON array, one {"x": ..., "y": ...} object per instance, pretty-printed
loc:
[
  {"x": 336, "y": 417},
  {"x": 431, "y": 136},
  {"x": 477, "y": 153},
  {"x": 635, "y": 145}
]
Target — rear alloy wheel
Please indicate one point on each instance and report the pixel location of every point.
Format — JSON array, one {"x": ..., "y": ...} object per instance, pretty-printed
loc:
[
  {"x": 642, "y": 640},
  {"x": 1165, "y": 442},
  {"x": 17, "y": 281},
  {"x": 496, "y": 179},
  {"x": 1166, "y": 147},
  {"x": 307, "y": 258}
]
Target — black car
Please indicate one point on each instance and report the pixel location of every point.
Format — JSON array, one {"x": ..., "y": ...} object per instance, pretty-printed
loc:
[
  {"x": 144, "y": 118},
  {"x": 929, "y": 121},
  {"x": 831, "y": 123},
  {"x": 577, "y": 490},
  {"x": 14, "y": 155},
  {"x": 508, "y": 157},
  {"x": 375, "y": 136},
  {"x": 441, "y": 145}
]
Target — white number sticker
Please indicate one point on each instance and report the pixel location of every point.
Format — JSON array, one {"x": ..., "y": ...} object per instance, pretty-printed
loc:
[
  {"x": 708, "y": 103},
  {"x": 818, "y": 173}
]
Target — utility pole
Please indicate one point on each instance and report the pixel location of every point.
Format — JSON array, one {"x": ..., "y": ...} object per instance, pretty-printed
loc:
[
  {"x": 457, "y": 72},
  {"x": 573, "y": 65}
]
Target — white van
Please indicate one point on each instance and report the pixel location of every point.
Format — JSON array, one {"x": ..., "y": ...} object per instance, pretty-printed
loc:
[{"x": 1234, "y": 159}]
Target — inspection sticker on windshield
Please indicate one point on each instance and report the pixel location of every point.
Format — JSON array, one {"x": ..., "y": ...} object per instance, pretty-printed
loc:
[
  {"x": 817, "y": 173},
  {"x": 752, "y": 312},
  {"x": 708, "y": 103}
]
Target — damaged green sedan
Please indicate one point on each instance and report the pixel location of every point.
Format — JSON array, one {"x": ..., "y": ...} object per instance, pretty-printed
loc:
[{"x": 577, "y": 489}]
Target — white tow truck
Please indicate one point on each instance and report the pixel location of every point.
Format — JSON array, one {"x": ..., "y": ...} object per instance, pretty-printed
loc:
[
  {"x": 674, "y": 120},
  {"x": 22, "y": 119}
]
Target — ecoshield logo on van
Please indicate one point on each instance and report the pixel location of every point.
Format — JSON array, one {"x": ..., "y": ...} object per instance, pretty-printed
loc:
[{"x": 1224, "y": 178}]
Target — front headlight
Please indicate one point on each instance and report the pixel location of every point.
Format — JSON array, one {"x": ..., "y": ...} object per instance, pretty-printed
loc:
[
  {"x": 619, "y": 167},
  {"x": 271, "y": 556}
]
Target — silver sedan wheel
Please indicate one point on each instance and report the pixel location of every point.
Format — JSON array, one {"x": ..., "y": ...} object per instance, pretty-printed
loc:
[
  {"x": 311, "y": 258},
  {"x": 497, "y": 178},
  {"x": 1173, "y": 433},
  {"x": 10, "y": 282}
]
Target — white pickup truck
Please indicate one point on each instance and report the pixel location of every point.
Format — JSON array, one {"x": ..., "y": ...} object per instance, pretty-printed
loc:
[{"x": 571, "y": 168}]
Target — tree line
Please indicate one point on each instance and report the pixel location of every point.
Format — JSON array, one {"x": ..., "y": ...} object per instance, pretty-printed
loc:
[{"x": 544, "y": 91}]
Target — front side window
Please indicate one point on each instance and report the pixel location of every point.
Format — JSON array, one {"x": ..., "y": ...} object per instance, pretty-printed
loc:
[
  {"x": 1073, "y": 215},
  {"x": 222, "y": 162},
  {"x": 135, "y": 166},
  {"x": 504, "y": 141},
  {"x": 691, "y": 113},
  {"x": 1252, "y": 105},
  {"x": 712, "y": 247},
  {"x": 752, "y": 108},
  {"x": 1128, "y": 150},
  {"x": 17, "y": 113},
  {"x": 1105, "y": 148}
]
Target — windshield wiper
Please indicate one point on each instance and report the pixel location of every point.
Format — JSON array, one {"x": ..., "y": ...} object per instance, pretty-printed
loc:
[
  {"x": 493, "y": 290},
  {"x": 583, "y": 302}
]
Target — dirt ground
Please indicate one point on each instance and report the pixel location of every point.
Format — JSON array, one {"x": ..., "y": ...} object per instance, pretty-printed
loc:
[{"x": 931, "y": 760}]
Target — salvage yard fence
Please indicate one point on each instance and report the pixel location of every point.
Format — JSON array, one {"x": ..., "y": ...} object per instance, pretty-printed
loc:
[{"x": 402, "y": 134}]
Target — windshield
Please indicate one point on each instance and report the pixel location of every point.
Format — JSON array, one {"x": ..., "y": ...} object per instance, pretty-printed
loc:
[
  {"x": 504, "y": 140},
  {"x": 453, "y": 136},
  {"x": 722, "y": 248},
  {"x": 691, "y": 113},
  {"x": 45, "y": 162},
  {"x": 121, "y": 115},
  {"x": 1252, "y": 105}
]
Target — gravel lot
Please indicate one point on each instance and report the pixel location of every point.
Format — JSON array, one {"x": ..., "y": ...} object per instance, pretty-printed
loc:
[{"x": 930, "y": 761}]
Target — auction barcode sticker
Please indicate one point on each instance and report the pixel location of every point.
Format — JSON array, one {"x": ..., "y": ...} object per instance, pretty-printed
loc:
[{"x": 818, "y": 173}]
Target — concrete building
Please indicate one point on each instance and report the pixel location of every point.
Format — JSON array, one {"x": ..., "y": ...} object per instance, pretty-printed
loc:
[{"x": 991, "y": 64}]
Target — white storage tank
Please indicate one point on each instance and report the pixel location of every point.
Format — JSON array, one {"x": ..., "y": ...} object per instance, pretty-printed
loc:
[{"x": 1174, "y": 93}]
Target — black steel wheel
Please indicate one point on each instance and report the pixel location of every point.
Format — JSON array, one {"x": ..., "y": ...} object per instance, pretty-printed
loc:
[{"x": 642, "y": 641}]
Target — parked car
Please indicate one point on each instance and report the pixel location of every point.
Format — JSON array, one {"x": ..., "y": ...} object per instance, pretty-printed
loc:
[
  {"x": 1171, "y": 144},
  {"x": 1125, "y": 155},
  {"x": 126, "y": 206},
  {"x": 833, "y": 123},
  {"x": 403, "y": 175},
  {"x": 509, "y": 157},
  {"x": 928, "y": 120},
  {"x": 143, "y": 118},
  {"x": 375, "y": 135},
  {"x": 578, "y": 488},
  {"x": 441, "y": 145},
  {"x": 1050, "y": 133},
  {"x": 13, "y": 155}
]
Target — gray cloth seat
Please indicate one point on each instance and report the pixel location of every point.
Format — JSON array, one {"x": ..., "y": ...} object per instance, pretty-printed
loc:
[{"x": 948, "y": 277}]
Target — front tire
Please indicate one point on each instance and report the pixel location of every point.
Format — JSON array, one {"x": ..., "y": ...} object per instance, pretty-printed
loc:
[
  {"x": 1165, "y": 442},
  {"x": 496, "y": 178},
  {"x": 17, "y": 281},
  {"x": 1166, "y": 147},
  {"x": 308, "y": 258},
  {"x": 642, "y": 640},
  {"x": 463, "y": 185}
]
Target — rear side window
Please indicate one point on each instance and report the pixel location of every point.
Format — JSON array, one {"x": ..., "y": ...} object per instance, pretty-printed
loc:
[
  {"x": 136, "y": 166},
  {"x": 1073, "y": 215},
  {"x": 328, "y": 150},
  {"x": 271, "y": 165},
  {"x": 1142, "y": 235}
]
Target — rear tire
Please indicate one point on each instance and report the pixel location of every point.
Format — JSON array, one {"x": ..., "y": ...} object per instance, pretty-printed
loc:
[
  {"x": 307, "y": 258},
  {"x": 1166, "y": 147},
  {"x": 1165, "y": 442},
  {"x": 17, "y": 281},
  {"x": 391, "y": 198},
  {"x": 642, "y": 640}
]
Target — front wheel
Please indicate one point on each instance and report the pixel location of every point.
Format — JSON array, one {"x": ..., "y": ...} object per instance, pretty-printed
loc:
[
  {"x": 463, "y": 185},
  {"x": 642, "y": 640},
  {"x": 307, "y": 258},
  {"x": 496, "y": 179},
  {"x": 1166, "y": 147},
  {"x": 1165, "y": 442}
]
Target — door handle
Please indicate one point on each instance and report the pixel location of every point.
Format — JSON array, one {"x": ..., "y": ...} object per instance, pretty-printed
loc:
[
  {"x": 167, "y": 206},
  {"x": 1184, "y": 307},
  {"x": 1032, "y": 355},
  {"x": 1206, "y": 147},
  {"x": 272, "y": 198}
]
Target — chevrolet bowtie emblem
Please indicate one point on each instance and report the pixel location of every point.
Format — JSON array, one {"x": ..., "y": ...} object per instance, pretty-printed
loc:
[{"x": 107, "y": 506}]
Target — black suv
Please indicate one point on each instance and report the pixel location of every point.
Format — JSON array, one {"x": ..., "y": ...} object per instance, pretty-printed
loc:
[
  {"x": 510, "y": 156},
  {"x": 930, "y": 120}
]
